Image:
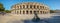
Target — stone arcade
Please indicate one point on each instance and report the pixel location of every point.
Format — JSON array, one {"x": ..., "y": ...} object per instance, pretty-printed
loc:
[{"x": 30, "y": 8}]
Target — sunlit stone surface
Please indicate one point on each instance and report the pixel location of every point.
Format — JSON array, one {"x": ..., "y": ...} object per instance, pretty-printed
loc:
[
  {"x": 9, "y": 18},
  {"x": 30, "y": 8},
  {"x": 24, "y": 13}
]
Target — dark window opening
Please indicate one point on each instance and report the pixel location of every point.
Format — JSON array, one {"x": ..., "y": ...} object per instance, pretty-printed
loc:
[
  {"x": 23, "y": 6},
  {"x": 17, "y": 12},
  {"x": 17, "y": 6},
  {"x": 37, "y": 11},
  {"x": 30, "y": 6},
  {"x": 42, "y": 7},
  {"x": 37, "y": 6},
  {"x": 20, "y": 6},
  {"x": 23, "y": 12},
  {"x": 20, "y": 12},
  {"x": 34, "y": 6},
  {"x": 27, "y": 6},
  {"x": 34, "y": 11},
  {"x": 26, "y": 12},
  {"x": 41, "y": 12}
]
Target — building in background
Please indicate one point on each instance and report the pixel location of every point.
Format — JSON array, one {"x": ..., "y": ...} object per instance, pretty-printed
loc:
[{"x": 30, "y": 8}]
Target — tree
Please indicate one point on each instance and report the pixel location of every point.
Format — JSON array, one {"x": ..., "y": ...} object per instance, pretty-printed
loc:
[
  {"x": 7, "y": 11},
  {"x": 1, "y": 7},
  {"x": 51, "y": 11}
]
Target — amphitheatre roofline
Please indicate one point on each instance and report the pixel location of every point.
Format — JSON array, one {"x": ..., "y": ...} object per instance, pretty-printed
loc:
[{"x": 30, "y": 2}]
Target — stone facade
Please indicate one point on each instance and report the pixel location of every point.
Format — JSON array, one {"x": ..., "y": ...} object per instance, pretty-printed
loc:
[{"x": 30, "y": 8}]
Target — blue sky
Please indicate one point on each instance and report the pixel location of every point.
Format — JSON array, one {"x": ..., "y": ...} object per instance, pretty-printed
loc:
[{"x": 53, "y": 4}]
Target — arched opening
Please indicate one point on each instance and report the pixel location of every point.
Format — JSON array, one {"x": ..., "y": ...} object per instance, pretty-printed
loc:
[
  {"x": 20, "y": 12},
  {"x": 41, "y": 12},
  {"x": 34, "y": 11},
  {"x": 23, "y": 6},
  {"x": 38, "y": 6},
  {"x": 38, "y": 12},
  {"x": 34, "y": 6},
  {"x": 27, "y": 6},
  {"x": 17, "y": 7},
  {"x": 17, "y": 12},
  {"x": 30, "y": 12},
  {"x": 30, "y": 6},
  {"x": 26, "y": 12},
  {"x": 20, "y": 6},
  {"x": 23, "y": 12}
]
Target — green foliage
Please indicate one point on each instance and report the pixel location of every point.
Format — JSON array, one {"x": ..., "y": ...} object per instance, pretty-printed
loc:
[
  {"x": 1, "y": 7},
  {"x": 51, "y": 11},
  {"x": 7, "y": 11}
]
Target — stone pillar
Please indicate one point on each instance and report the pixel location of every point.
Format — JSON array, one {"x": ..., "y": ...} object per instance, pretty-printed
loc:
[
  {"x": 42, "y": 12},
  {"x": 25, "y": 11},
  {"x": 36, "y": 6},
  {"x": 28, "y": 11},
  {"x": 16, "y": 11},
  {"x": 22, "y": 6},
  {"x": 29, "y": 6},
  {"x": 39, "y": 6},
  {"x": 44, "y": 8},
  {"x": 32, "y": 12},
  {"x": 21, "y": 11},
  {"x": 25, "y": 6},
  {"x": 39, "y": 12},
  {"x": 19, "y": 6}
]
